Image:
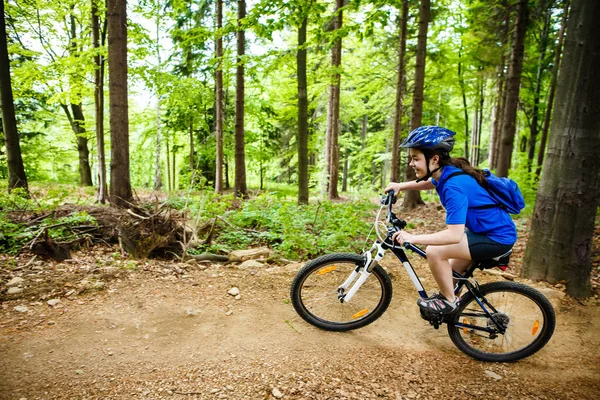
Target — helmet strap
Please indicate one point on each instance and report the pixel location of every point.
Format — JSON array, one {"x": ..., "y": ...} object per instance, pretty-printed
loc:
[{"x": 429, "y": 173}]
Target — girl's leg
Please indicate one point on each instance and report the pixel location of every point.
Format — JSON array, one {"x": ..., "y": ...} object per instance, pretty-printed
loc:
[{"x": 438, "y": 258}]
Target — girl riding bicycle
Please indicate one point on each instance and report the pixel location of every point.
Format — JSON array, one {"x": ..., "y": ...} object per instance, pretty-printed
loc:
[{"x": 490, "y": 231}]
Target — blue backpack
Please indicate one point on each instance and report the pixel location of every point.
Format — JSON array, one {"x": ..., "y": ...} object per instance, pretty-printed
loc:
[{"x": 504, "y": 190}]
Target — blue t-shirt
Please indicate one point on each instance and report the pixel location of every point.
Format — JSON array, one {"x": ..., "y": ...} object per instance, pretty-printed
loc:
[{"x": 461, "y": 192}]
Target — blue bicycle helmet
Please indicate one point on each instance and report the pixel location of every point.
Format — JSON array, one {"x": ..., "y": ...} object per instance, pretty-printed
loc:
[
  {"x": 430, "y": 138},
  {"x": 427, "y": 139}
]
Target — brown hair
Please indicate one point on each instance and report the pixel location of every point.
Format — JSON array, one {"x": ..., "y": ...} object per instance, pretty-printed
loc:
[{"x": 462, "y": 163}]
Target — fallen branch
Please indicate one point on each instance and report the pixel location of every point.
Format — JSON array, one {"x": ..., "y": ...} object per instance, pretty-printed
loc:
[{"x": 209, "y": 257}]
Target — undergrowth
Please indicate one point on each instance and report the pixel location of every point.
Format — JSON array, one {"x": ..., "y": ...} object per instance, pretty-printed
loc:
[{"x": 293, "y": 231}]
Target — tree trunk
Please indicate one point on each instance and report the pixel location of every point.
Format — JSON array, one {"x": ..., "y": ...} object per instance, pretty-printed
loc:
[
  {"x": 302, "y": 115},
  {"x": 501, "y": 91},
  {"x": 192, "y": 162},
  {"x": 479, "y": 123},
  {"x": 240, "y": 162},
  {"x": 550, "y": 102},
  {"x": 120, "y": 182},
  {"x": 219, "y": 101},
  {"x": 174, "y": 155},
  {"x": 157, "y": 177},
  {"x": 16, "y": 171},
  {"x": 345, "y": 171},
  {"x": 534, "y": 128},
  {"x": 512, "y": 90},
  {"x": 333, "y": 112},
  {"x": 168, "y": 156},
  {"x": 413, "y": 198},
  {"x": 78, "y": 120},
  {"x": 395, "y": 165},
  {"x": 102, "y": 193},
  {"x": 85, "y": 172},
  {"x": 461, "y": 82},
  {"x": 559, "y": 246}
]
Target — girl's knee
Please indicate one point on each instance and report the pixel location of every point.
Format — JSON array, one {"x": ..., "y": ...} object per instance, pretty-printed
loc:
[{"x": 433, "y": 252}]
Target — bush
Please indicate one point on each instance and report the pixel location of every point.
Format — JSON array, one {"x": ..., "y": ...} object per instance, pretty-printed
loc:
[{"x": 294, "y": 231}]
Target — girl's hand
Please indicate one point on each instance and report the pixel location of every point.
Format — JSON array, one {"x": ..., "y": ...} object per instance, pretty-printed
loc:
[
  {"x": 402, "y": 237},
  {"x": 393, "y": 186}
]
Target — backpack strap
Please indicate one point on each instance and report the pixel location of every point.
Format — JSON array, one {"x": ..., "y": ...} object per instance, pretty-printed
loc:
[{"x": 498, "y": 204}]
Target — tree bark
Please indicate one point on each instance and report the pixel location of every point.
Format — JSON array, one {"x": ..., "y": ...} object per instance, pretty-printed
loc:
[
  {"x": 395, "y": 166},
  {"x": 102, "y": 193},
  {"x": 543, "y": 44},
  {"x": 77, "y": 120},
  {"x": 559, "y": 246},
  {"x": 120, "y": 182},
  {"x": 192, "y": 162},
  {"x": 461, "y": 83},
  {"x": 512, "y": 90},
  {"x": 302, "y": 115},
  {"x": 333, "y": 112},
  {"x": 240, "y": 162},
  {"x": 501, "y": 90},
  {"x": 16, "y": 170},
  {"x": 552, "y": 90},
  {"x": 413, "y": 198},
  {"x": 168, "y": 157},
  {"x": 157, "y": 177},
  {"x": 219, "y": 100}
]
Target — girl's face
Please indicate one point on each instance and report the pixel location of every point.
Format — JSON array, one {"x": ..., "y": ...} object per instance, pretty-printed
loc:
[{"x": 417, "y": 162}]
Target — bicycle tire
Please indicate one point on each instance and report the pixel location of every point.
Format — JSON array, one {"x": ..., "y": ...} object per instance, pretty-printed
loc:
[
  {"x": 525, "y": 333},
  {"x": 315, "y": 298}
]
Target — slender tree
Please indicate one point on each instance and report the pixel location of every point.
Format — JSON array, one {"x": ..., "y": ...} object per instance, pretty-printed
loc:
[
  {"x": 219, "y": 99},
  {"x": 77, "y": 119},
  {"x": 157, "y": 177},
  {"x": 333, "y": 109},
  {"x": 395, "y": 167},
  {"x": 497, "y": 121},
  {"x": 545, "y": 10},
  {"x": 560, "y": 241},
  {"x": 99, "y": 38},
  {"x": 120, "y": 181},
  {"x": 512, "y": 90},
  {"x": 16, "y": 171},
  {"x": 413, "y": 198},
  {"x": 240, "y": 162},
  {"x": 552, "y": 90},
  {"x": 302, "y": 110}
]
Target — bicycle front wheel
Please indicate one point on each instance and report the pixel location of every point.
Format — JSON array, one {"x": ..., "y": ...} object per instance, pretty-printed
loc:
[
  {"x": 314, "y": 293},
  {"x": 526, "y": 315}
]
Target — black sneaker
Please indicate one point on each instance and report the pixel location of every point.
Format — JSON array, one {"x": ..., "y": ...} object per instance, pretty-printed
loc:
[{"x": 438, "y": 304}]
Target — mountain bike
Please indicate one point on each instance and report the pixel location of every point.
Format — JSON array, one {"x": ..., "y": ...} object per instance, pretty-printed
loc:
[{"x": 497, "y": 321}]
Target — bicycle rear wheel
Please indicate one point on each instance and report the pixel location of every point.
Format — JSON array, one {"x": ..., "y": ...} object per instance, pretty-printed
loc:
[
  {"x": 314, "y": 293},
  {"x": 526, "y": 314}
]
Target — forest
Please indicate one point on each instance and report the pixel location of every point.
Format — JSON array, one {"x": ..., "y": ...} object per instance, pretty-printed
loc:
[{"x": 290, "y": 113}]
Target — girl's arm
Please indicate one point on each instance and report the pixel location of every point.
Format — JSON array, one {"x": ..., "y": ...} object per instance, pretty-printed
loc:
[
  {"x": 412, "y": 185},
  {"x": 453, "y": 234}
]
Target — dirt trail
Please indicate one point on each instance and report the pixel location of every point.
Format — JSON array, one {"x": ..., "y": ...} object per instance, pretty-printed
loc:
[{"x": 149, "y": 336}]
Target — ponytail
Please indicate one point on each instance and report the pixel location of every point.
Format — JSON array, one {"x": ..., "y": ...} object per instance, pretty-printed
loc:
[{"x": 463, "y": 163}]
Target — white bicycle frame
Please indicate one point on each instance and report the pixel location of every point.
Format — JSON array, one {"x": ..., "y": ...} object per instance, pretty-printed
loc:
[{"x": 364, "y": 272}]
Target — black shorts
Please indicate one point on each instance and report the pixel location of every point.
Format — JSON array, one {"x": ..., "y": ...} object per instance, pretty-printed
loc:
[{"x": 482, "y": 247}]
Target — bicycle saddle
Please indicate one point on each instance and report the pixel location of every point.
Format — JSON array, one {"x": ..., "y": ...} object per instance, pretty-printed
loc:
[{"x": 501, "y": 261}]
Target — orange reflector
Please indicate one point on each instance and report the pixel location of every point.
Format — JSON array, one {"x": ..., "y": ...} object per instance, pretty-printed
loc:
[
  {"x": 465, "y": 330},
  {"x": 360, "y": 313},
  {"x": 535, "y": 328},
  {"x": 326, "y": 270}
]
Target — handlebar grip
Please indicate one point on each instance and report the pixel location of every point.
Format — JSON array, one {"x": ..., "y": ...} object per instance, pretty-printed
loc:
[{"x": 405, "y": 244}]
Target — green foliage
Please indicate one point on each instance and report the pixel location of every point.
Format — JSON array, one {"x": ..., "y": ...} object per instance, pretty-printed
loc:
[
  {"x": 293, "y": 231},
  {"x": 14, "y": 235},
  {"x": 526, "y": 181}
]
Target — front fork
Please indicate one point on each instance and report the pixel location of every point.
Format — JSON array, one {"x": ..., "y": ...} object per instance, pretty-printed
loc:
[{"x": 362, "y": 272}]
